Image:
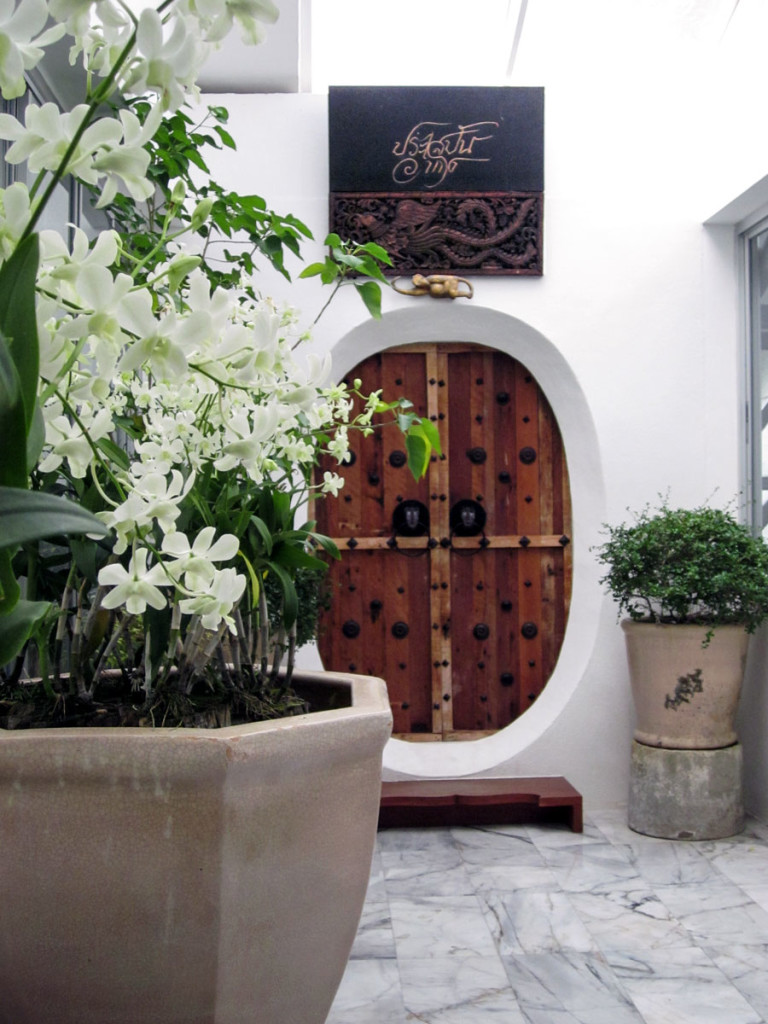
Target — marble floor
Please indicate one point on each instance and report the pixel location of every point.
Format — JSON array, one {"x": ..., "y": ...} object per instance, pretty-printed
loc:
[{"x": 537, "y": 925}]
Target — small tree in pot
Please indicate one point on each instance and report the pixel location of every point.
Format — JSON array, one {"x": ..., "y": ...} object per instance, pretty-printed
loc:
[{"x": 694, "y": 583}]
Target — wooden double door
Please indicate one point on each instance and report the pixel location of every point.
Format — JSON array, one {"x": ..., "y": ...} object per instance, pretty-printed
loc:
[{"x": 455, "y": 588}]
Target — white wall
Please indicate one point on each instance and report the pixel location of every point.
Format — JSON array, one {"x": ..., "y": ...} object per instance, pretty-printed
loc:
[{"x": 638, "y": 302}]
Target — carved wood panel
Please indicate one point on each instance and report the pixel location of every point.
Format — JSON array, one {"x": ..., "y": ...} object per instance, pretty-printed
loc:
[
  {"x": 464, "y": 618},
  {"x": 447, "y": 232}
]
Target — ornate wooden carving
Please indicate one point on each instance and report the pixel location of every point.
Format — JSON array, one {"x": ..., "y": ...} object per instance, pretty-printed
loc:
[{"x": 478, "y": 233}]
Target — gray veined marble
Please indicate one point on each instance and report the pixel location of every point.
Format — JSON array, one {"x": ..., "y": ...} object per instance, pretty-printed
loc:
[{"x": 536, "y": 925}]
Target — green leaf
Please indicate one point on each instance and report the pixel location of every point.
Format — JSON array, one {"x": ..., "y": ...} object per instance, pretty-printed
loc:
[
  {"x": 294, "y": 557},
  {"x": 418, "y": 450},
  {"x": 288, "y": 591},
  {"x": 13, "y": 430},
  {"x": 370, "y": 293},
  {"x": 265, "y": 534},
  {"x": 31, "y": 515},
  {"x": 10, "y": 592},
  {"x": 19, "y": 625},
  {"x": 18, "y": 321},
  {"x": 378, "y": 252},
  {"x": 327, "y": 545},
  {"x": 432, "y": 435},
  {"x": 35, "y": 437},
  {"x": 312, "y": 270},
  {"x": 332, "y": 240},
  {"x": 225, "y": 137}
]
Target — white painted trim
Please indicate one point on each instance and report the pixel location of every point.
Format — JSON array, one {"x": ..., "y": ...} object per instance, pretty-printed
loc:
[{"x": 443, "y": 321}]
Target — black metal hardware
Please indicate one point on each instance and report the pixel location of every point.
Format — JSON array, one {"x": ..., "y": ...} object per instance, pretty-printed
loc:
[
  {"x": 481, "y": 631},
  {"x": 401, "y": 590},
  {"x": 531, "y": 697},
  {"x": 504, "y": 477},
  {"x": 431, "y": 543},
  {"x": 351, "y": 543},
  {"x": 524, "y": 542},
  {"x": 467, "y": 518},
  {"x": 376, "y": 605},
  {"x": 352, "y": 667},
  {"x": 527, "y": 455},
  {"x": 445, "y": 542},
  {"x": 405, "y": 705},
  {"x": 446, "y": 697},
  {"x": 529, "y": 630},
  {"x": 398, "y": 459},
  {"x": 349, "y": 459},
  {"x": 565, "y": 540},
  {"x": 348, "y": 499},
  {"x": 351, "y": 629},
  {"x": 373, "y": 479},
  {"x": 392, "y": 542},
  {"x": 507, "y": 679},
  {"x": 410, "y": 519},
  {"x": 477, "y": 455},
  {"x": 400, "y": 630},
  {"x": 502, "y": 397},
  {"x": 506, "y": 606}
]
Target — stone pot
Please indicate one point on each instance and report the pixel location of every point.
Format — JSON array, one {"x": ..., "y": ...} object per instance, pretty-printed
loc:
[
  {"x": 188, "y": 876},
  {"x": 685, "y": 694}
]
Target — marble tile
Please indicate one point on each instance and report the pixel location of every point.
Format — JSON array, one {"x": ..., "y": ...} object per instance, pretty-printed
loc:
[
  {"x": 682, "y": 986},
  {"x": 510, "y": 845},
  {"x": 569, "y": 986},
  {"x": 716, "y": 914},
  {"x": 625, "y": 920},
  {"x": 757, "y": 893},
  {"x": 369, "y": 993},
  {"x": 444, "y": 991},
  {"x": 436, "y": 926},
  {"x": 539, "y": 925},
  {"x": 375, "y": 938},
  {"x": 439, "y": 872},
  {"x": 595, "y": 867},
  {"x": 529, "y": 921},
  {"x": 663, "y": 862},
  {"x": 744, "y": 863},
  {"x": 746, "y": 967}
]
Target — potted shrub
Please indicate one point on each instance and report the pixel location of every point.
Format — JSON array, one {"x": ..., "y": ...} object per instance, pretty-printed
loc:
[
  {"x": 694, "y": 585},
  {"x": 204, "y": 857}
]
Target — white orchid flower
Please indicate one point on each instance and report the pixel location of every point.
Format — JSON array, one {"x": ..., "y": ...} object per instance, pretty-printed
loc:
[
  {"x": 217, "y": 601},
  {"x": 22, "y": 42},
  {"x": 135, "y": 587},
  {"x": 47, "y": 133},
  {"x": 14, "y": 216},
  {"x": 66, "y": 440},
  {"x": 332, "y": 483},
  {"x": 152, "y": 497},
  {"x": 245, "y": 437},
  {"x": 218, "y": 18},
  {"x": 195, "y": 562},
  {"x": 166, "y": 67},
  {"x": 128, "y": 162}
]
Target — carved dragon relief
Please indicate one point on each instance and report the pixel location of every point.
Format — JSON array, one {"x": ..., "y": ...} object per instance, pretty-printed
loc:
[{"x": 481, "y": 234}]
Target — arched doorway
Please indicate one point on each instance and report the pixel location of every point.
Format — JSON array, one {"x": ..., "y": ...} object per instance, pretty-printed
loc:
[{"x": 455, "y": 588}]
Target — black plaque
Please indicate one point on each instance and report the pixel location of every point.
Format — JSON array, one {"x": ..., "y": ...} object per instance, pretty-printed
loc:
[{"x": 447, "y": 179}]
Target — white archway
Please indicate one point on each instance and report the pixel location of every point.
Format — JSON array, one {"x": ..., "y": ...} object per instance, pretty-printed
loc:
[{"x": 448, "y": 321}]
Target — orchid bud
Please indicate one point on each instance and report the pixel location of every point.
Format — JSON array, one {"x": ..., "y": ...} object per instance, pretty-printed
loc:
[{"x": 201, "y": 213}]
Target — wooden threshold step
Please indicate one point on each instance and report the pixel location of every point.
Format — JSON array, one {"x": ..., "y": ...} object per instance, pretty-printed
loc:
[{"x": 479, "y": 802}]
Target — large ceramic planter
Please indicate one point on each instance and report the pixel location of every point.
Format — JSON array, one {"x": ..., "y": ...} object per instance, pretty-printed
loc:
[
  {"x": 184, "y": 876},
  {"x": 685, "y": 694}
]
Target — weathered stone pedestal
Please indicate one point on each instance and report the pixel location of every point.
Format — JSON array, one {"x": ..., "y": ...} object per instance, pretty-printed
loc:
[{"x": 686, "y": 794}]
